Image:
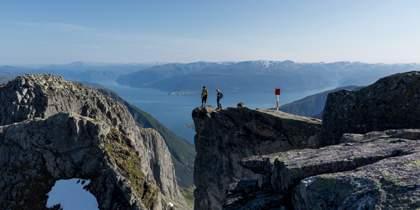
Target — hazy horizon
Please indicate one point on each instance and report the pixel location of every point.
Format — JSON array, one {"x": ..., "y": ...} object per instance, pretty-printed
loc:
[
  {"x": 99, "y": 63},
  {"x": 51, "y": 32}
]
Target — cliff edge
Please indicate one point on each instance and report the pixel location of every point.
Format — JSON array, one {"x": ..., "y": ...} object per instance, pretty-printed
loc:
[
  {"x": 364, "y": 155},
  {"x": 224, "y": 137}
]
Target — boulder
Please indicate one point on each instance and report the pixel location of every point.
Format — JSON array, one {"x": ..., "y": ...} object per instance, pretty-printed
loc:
[{"x": 345, "y": 176}]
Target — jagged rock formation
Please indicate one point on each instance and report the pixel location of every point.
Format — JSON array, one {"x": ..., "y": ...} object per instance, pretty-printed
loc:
[
  {"x": 225, "y": 137},
  {"x": 390, "y": 103},
  {"x": 243, "y": 162},
  {"x": 53, "y": 129}
]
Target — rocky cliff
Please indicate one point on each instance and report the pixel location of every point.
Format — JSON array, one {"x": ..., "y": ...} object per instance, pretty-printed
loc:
[
  {"x": 183, "y": 153},
  {"x": 260, "y": 160},
  {"x": 390, "y": 103},
  {"x": 225, "y": 137},
  {"x": 53, "y": 129}
]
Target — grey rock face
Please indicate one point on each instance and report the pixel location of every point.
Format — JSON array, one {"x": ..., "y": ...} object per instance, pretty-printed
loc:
[
  {"x": 366, "y": 156},
  {"x": 225, "y": 137},
  {"x": 391, "y": 183},
  {"x": 55, "y": 129},
  {"x": 183, "y": 153},
  {"x": 356, "y": 175},
  {"x": 390, "y": 103}
]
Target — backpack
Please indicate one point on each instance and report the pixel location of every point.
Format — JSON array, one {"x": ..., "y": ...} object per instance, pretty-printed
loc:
[
  {"x": 204, "y": 93},
  {"x": 220, "y": 94}
]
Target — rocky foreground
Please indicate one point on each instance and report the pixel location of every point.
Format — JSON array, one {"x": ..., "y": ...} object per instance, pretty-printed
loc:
[
  {"x": 53, "y": 129},
  {"x": 256, "y": 159}
]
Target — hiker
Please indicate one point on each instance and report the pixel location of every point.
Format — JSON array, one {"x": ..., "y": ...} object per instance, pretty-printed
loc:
[
  {"x": 219, "y": 97},
  {"x": 204, "y": 94}
]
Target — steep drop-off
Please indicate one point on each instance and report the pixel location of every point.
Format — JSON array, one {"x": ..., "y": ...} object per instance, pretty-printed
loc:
[
  {"x": 225, "y": 137},
  {"x": 54, "y": 129},
  {"x": 265, "y": 160},
  {"x": 183, "y": 153},
  {"x": 390, "y": 103}
]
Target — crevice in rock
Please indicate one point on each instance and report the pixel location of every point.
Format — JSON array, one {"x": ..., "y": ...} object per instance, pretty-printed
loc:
[{"x": 283, "y": 171}]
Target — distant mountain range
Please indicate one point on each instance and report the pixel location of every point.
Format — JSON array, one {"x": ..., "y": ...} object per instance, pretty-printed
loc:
[
  {"x": 247, "y": 76},
  {"x": 77, "y": 71},
  {"x": 259, "y": 75},
  {"x": 313, "y": 105}
]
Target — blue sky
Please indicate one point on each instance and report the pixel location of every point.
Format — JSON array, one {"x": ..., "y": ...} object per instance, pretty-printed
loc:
[{"x": 50, "y": 31}]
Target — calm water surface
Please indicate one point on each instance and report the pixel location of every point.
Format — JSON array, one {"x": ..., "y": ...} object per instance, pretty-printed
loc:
[{"x": 174, "y": 111}]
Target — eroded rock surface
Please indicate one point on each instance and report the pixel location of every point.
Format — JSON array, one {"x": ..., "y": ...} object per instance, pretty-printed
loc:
[
  {"x": 54, "y": 129},
  {"x": 364, "y": 160},
  {"x": 392, "y": 183},
  {"x": 225, "y": 137},
  {"x": 366, "y": 156},
  {"x": 390, "y": 103}
]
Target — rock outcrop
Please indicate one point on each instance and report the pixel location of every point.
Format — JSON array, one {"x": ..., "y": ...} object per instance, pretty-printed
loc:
[
  {"x": 365, "y": 156},
  {"x": 225, "y": 137},
  {"x": 357, "y": 187},
  {"x": 53, "y": 129},
  {"x": 390, "y": 103}
]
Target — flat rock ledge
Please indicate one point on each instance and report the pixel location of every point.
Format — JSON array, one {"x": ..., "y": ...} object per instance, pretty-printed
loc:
[{"x": 377, "y": 170}]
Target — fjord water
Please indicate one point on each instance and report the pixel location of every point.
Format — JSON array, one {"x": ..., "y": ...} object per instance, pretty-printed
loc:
[{"x": 174, "y": 111}]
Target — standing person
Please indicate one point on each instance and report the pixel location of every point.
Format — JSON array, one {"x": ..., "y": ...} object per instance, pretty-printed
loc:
[
  {"x": 219, "y": 97},
  {"x": 204, "y": 94}
]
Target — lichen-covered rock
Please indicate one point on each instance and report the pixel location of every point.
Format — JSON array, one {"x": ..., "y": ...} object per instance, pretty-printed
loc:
[
  {"x": 224, "y": 137},
  {"x": 54, "y": 129},
  {"x": 390, "y": 103},
  {"x": 392, "y": 183},
  {"x": 345, "y": 176}
]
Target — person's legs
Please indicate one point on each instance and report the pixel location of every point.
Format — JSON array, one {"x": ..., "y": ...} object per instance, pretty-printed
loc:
[{"x": 219, "y": 106}]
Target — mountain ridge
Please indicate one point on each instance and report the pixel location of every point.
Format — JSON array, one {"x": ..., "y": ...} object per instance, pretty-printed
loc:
[
  {"x": 60, "y": 129},
  {"x": 260, "y": 75}
]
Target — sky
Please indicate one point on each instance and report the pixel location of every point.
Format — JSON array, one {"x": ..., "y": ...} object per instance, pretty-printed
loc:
[{"x": 137, "y": 31}]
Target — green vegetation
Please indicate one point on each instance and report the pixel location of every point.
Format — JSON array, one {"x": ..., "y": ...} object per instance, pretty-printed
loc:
[
  {"x": 188, "y": 194},
  {"x": 119, "y": 151},
  {"x": 183, "y": 153},
  {"x": 415, "y": 163}
]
